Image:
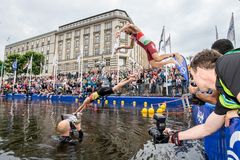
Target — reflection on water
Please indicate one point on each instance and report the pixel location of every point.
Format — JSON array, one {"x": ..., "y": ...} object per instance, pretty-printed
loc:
[{"x": 26, "y": 131}]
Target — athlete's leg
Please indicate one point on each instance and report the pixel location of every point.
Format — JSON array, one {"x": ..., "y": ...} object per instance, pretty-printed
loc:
[{"x": 123, "y": 83}]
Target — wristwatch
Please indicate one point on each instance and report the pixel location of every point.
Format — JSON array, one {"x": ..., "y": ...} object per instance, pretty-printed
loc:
[{"x": 238, "y": 112}]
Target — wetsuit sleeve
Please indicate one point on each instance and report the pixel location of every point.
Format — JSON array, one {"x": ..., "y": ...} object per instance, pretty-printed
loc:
[
  {"x": 228, "y": 69},
  {"x": 220, "y": 110},
  {"x": 105, "y": 91}
]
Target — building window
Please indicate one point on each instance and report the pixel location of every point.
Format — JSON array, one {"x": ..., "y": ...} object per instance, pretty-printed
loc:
[
  {"x": 86, "y": 30},
  {"x": 97, "y": 28},
  {"x": 86, "y": 40},
  {"x": 107, "y": 62},
  {"x": 48, "y": 40},
  {"x": 108, "y": 36},
  {"x": 69, "y": 35},
  {"x": 76, "y": 43},
  {"x": 85, "y": 51},
  {"x": 67, "y": 54},
  {"x": 60, "y": 37},
  {"x": 43, "y": 42},
  {"x": 122, "y": 61},
  {"x": 60, "y": 46},
  {"x": 59, "y": 55},
  {"x": 68, "y": 45},
  {"x": 96, "y": 38},
  {"x": 77, "y": 33},
  {"x": 108, "y": 25},
  {"x": 96, "y": 51}
]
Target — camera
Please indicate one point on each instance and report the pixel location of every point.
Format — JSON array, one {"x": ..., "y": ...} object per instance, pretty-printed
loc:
[
  {"x": 157, "y": 131},
  {"x": 193, "y": 84}
]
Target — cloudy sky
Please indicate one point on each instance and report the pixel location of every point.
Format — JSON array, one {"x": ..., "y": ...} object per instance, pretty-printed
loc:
[{"x": 191, "y": 23}]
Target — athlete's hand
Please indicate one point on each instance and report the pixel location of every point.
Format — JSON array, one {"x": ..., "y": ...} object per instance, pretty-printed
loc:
[{"x": 230, "y": 114}]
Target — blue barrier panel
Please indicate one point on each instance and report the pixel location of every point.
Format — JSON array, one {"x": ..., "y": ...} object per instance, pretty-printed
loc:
[
  {"x": 232, "y": 139},
  {"x": 67, "y": 98},
  {"x": 55, "y": 97},
  {"x": 172, "y": 102},
  {"x": 19, "y": 96},
  {"x": 223, "y": 144}
]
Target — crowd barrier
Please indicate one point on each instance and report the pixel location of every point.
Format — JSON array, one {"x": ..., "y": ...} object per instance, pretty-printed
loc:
[
  {"x": 138, "y": 101},
  {"x": 224, "y": 143}
]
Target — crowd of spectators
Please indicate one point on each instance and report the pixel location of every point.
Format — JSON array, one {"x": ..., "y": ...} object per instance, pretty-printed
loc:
[{"x": 149, "y": 83}]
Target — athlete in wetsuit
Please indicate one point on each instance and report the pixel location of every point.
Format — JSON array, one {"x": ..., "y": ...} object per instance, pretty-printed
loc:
[
  {"x": 104, "y": 91},
  {"x": 154, "y": 58},
  {"x": 69, "y": 129}
]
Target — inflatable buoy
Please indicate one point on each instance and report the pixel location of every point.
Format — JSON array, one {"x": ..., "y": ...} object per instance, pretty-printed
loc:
[
  {"x": 134, "y": 103},
  {"x": 160, "y": 110},
  {"x": 151, "y": 115},
  {"x": 151, "y": 110},
  {"x": 122, "y": 103},
  {"x": 114, "y": 102},
  {"x": 144, "y": 114},
  {"x": 144, "y": 110},
  {"x": 76, "y": 100},
  {"x": 145, "y": 104},
  {"x": 98, "y": 101},
  {"x": 106, "y": 101}
]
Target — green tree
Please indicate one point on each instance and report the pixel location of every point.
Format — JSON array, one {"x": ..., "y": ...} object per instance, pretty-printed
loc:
[
  {"x": 9, "y": 61},
  {"x": 23, "y": 59},
  {"x": 37, "y": 61}
]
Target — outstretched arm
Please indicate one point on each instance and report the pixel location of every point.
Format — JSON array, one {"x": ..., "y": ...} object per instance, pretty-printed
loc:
[
  {"x": 212, "y": 124},
  {"x": 84, "y": 105}
]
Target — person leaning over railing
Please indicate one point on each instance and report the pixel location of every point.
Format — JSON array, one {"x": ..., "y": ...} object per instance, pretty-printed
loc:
[{"x": 211, "y": 70}]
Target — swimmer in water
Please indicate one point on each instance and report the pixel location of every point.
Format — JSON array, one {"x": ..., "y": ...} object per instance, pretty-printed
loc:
[{"x": 69, "y": 129}]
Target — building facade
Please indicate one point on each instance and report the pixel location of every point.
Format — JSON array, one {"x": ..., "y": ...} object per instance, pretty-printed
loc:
[{"x": 94, "y": 37}]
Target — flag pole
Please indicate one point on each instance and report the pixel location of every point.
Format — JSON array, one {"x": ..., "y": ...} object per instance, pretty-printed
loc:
[
  {"x": 1, "y": 75},
  {"x": 15, "y": 74},
  {"x": 81, "y": 70},
  {"x": 234, "y": 31},
  {"x": 30, "y": 73},
  {"x": 216, "y": 32},
  {"x": 166, "y": 72}
]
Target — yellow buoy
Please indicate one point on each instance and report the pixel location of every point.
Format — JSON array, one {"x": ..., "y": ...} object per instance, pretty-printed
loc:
[
  {"x": 164, "y": 106},
  {"x": 122, "y": 103},
  {"x": 134, "y": 103},
  {"x": 151, "y": 115},
  {"x": 114, "y": 102},
  {"x": 144, "y": 110},
  {"x": 151, "y": 110},
  {"x": 144, "y": 114},
  {"x": 145, "y": 104},
  {"x": 98, "y": 101},
  {"x": 106, "y": 101},
  {"x": 160, "y": 110},
  {"x": 76, "y": 100}
]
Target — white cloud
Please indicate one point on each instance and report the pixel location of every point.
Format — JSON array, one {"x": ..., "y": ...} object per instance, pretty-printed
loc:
[{"x": 191, "y": 23}]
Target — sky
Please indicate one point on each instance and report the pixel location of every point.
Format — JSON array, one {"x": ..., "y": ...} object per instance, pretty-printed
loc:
[{"x": 191, "y": 23}]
